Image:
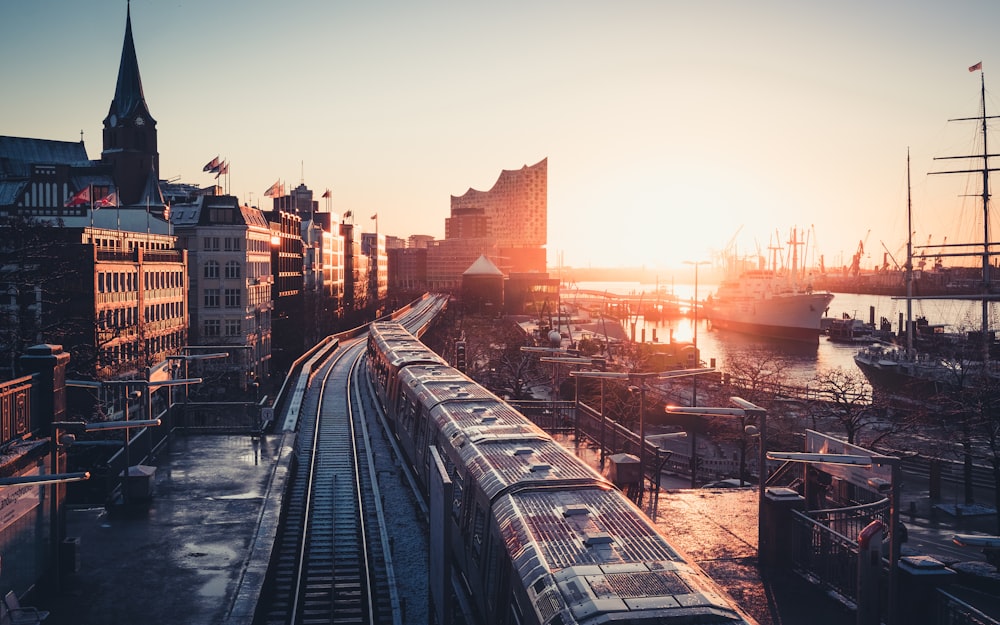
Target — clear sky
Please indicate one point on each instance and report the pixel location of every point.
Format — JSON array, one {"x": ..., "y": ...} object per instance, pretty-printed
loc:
[{"x": 671, "y": 127}]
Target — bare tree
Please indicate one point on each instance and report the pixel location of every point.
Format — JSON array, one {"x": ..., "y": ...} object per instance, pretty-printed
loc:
[{"x": 847, "y": 399}]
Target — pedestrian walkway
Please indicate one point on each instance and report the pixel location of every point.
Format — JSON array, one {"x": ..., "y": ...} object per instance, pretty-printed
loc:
[{"x": 180, "y": 557}]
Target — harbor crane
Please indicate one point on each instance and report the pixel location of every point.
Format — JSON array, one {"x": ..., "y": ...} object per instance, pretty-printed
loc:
[{"x": 855, "y": 268}]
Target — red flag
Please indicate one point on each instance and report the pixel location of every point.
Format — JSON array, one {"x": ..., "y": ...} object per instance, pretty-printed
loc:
[
  {"x": 212, "y": 165},
  {"x": 222, "y": 169},
  {"x": 375, "y": 216},
  {"x": 326, "y": 193},
  {"x": 82, "y": 197},
  {"x": 274, "y": 190},
  {"x": 977, "y": 66},
  {"x": 110, "y": 199}
]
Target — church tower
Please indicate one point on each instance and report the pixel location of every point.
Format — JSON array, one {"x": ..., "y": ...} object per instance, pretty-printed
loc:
[{"x": 130, "y": 133}]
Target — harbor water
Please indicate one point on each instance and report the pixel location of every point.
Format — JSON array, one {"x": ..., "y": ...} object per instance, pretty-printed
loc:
[{"x": 802, "y": 361}]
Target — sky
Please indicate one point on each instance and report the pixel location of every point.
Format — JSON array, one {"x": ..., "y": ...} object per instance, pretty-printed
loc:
[{"x": 673, "y": 129}]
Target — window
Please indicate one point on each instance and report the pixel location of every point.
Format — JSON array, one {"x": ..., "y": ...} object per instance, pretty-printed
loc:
[
  {"x": 234, "y": 244},
  {"x": 211, "y": 298},
  {"x": 233, "y": 327},
  {"x": 212, "y": 269},
  {"x": 211, "y": 327},
  {"x": 233, "y": 269},
  {"x": 233, "y": 298}
]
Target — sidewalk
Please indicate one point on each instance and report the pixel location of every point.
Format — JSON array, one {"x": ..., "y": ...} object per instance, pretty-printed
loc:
[{"x": 180, "y": 558}]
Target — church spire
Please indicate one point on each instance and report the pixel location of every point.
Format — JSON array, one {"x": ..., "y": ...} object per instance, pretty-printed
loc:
[
  {"x": 129, "y": 130},
  {"x": 129, "y": 99}
]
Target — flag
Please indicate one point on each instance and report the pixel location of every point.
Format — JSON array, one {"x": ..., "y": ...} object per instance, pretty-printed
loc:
[
  {"x": 222, "y": 169},
  {"x": 375, "y": 216},
  {"x": 977, "y": 66},
  {"x": 110, "y": 199},
  {"x": 348, "y": 214},
  {"x": 82, "y": 197},
  {"x": 274, "y": 190},
  {"x": 326, "y": 193},
  {"x": 212, "y": 165}
]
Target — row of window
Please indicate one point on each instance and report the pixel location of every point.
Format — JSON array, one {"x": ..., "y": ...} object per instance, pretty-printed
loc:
[
  {"x": 233, "y": 298},
  {"x": 127, "y": 281},
  {"x": 213, "y": 327},
  {"x": 234, "y": 269},
  {"x": 230, "y": 244},
  {"x": 130, "y": 352},
  {"x": 125, "y": 317}
]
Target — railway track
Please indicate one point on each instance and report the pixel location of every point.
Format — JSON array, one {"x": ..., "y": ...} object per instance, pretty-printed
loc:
[
  {"x": 332, "y": 560},
  {"x": 330, "y": 563}
]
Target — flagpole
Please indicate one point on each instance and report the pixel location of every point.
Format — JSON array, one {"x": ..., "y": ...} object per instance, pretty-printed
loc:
[
  {"x": 90, "y": 192},
  {"x": 118, "y": 211}
]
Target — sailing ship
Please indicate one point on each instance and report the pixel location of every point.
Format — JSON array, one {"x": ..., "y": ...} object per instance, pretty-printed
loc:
[
  {"x": 928, "y": 364},
  {"x": 768, "y": 302}
]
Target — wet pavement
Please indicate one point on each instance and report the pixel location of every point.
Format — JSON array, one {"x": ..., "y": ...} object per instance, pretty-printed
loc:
[
  {"x": 180, "y": 557},
  {"x": 191, "y": 554}
]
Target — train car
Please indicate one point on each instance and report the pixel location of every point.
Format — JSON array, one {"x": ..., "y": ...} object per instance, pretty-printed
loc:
[
  {"x": 390, "y": 348},
  {"x": 539, "y": 536}
]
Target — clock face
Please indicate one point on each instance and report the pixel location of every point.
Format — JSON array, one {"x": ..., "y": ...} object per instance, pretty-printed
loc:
[
  {"x": 139, "y": 121},
  {"x": 114, "y": 119}
]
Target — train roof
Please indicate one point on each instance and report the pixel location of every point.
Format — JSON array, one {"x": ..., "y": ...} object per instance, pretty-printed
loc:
[
  {"x": 591, "y": 552},
  {"x": 434, "y": 387},
  {"x": 499, "y": 461}
]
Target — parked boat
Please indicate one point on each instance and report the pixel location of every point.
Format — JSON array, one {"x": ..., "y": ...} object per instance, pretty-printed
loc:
[
  {"x": 769, "y": 302},
  {"x": 850, "y": 331},
  {"x": 932, "y": 362}
]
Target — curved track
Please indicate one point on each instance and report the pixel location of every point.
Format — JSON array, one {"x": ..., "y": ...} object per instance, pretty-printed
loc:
[{"x": 331, "y": 561}]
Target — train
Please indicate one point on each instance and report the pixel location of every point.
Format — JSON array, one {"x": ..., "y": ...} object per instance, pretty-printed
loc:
[{"x": 538, "y": 536}]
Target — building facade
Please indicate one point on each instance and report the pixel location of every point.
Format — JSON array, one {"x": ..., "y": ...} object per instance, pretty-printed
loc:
[
  {"x": 229, "y": 256},
  {"x": 515, "y": 212}
]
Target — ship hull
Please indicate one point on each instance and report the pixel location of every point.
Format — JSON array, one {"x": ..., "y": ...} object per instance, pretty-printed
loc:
[
  {"x": 891, "y": 372},
  {"x": 793, "y": 317}
]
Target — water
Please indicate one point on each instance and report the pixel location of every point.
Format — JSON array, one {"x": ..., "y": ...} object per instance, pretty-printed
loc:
[{"x": 803, "y": 361}]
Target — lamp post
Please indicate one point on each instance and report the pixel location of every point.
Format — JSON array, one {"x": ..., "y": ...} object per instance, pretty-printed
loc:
[
  {"x": 744, "y": 409},
  {"x": 188, "y": 358},
  {"x": 694, "y": 381},
  {"x": 873, "y": 460},
  {"x": 637, "y": 383}
]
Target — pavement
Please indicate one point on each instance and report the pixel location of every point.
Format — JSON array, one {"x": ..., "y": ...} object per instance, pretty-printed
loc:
[
  {"x": 190, "y": 553},
  {"x": 181, "y": 556}
]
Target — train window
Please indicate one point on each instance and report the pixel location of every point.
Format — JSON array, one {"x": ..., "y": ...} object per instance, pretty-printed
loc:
[
  {"x": 479, "y": 526},
  {"x": 458, "y": 488}
]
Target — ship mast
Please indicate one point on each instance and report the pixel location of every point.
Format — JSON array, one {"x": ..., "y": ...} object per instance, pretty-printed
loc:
[
  {"x": 984, "y": 171},
  {"x": 909, "y": 259}
]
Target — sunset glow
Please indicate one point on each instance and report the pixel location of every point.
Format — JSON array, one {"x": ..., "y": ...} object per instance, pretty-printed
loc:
[{"x": 670, "y": 128}]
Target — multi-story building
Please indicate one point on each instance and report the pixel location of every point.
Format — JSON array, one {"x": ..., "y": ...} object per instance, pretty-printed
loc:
[
  {"x": 323, "y": 266},
  {"x": 287, "y": 290},
  {"x": 85, "y": 243},
  {"x": 229, "y": 256},
  {"x": 448, "y": 259},
  {"x": 373, "y": 250},
  {"x": 407, "y": 269},
  {"x": 515, "y": 211}
]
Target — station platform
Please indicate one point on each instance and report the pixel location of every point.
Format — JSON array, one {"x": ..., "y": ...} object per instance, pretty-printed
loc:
[{"x": 181, "y": 556}]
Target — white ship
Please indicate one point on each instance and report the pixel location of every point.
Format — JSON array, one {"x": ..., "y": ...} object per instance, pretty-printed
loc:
[{"x": 772, "y": 303}]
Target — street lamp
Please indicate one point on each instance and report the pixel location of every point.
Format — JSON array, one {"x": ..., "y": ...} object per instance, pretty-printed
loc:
[
  {"x": 744, "y": 409},
  {"x": 694, "y": 381},
  {"x": 188, "y": 358},
  {"x": 872, "y": 460},
  {"x": 637, "y": 383}
]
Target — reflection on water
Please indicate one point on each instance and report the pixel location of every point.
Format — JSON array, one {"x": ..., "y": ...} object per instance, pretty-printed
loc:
[{"x": 803, "y": 361}]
